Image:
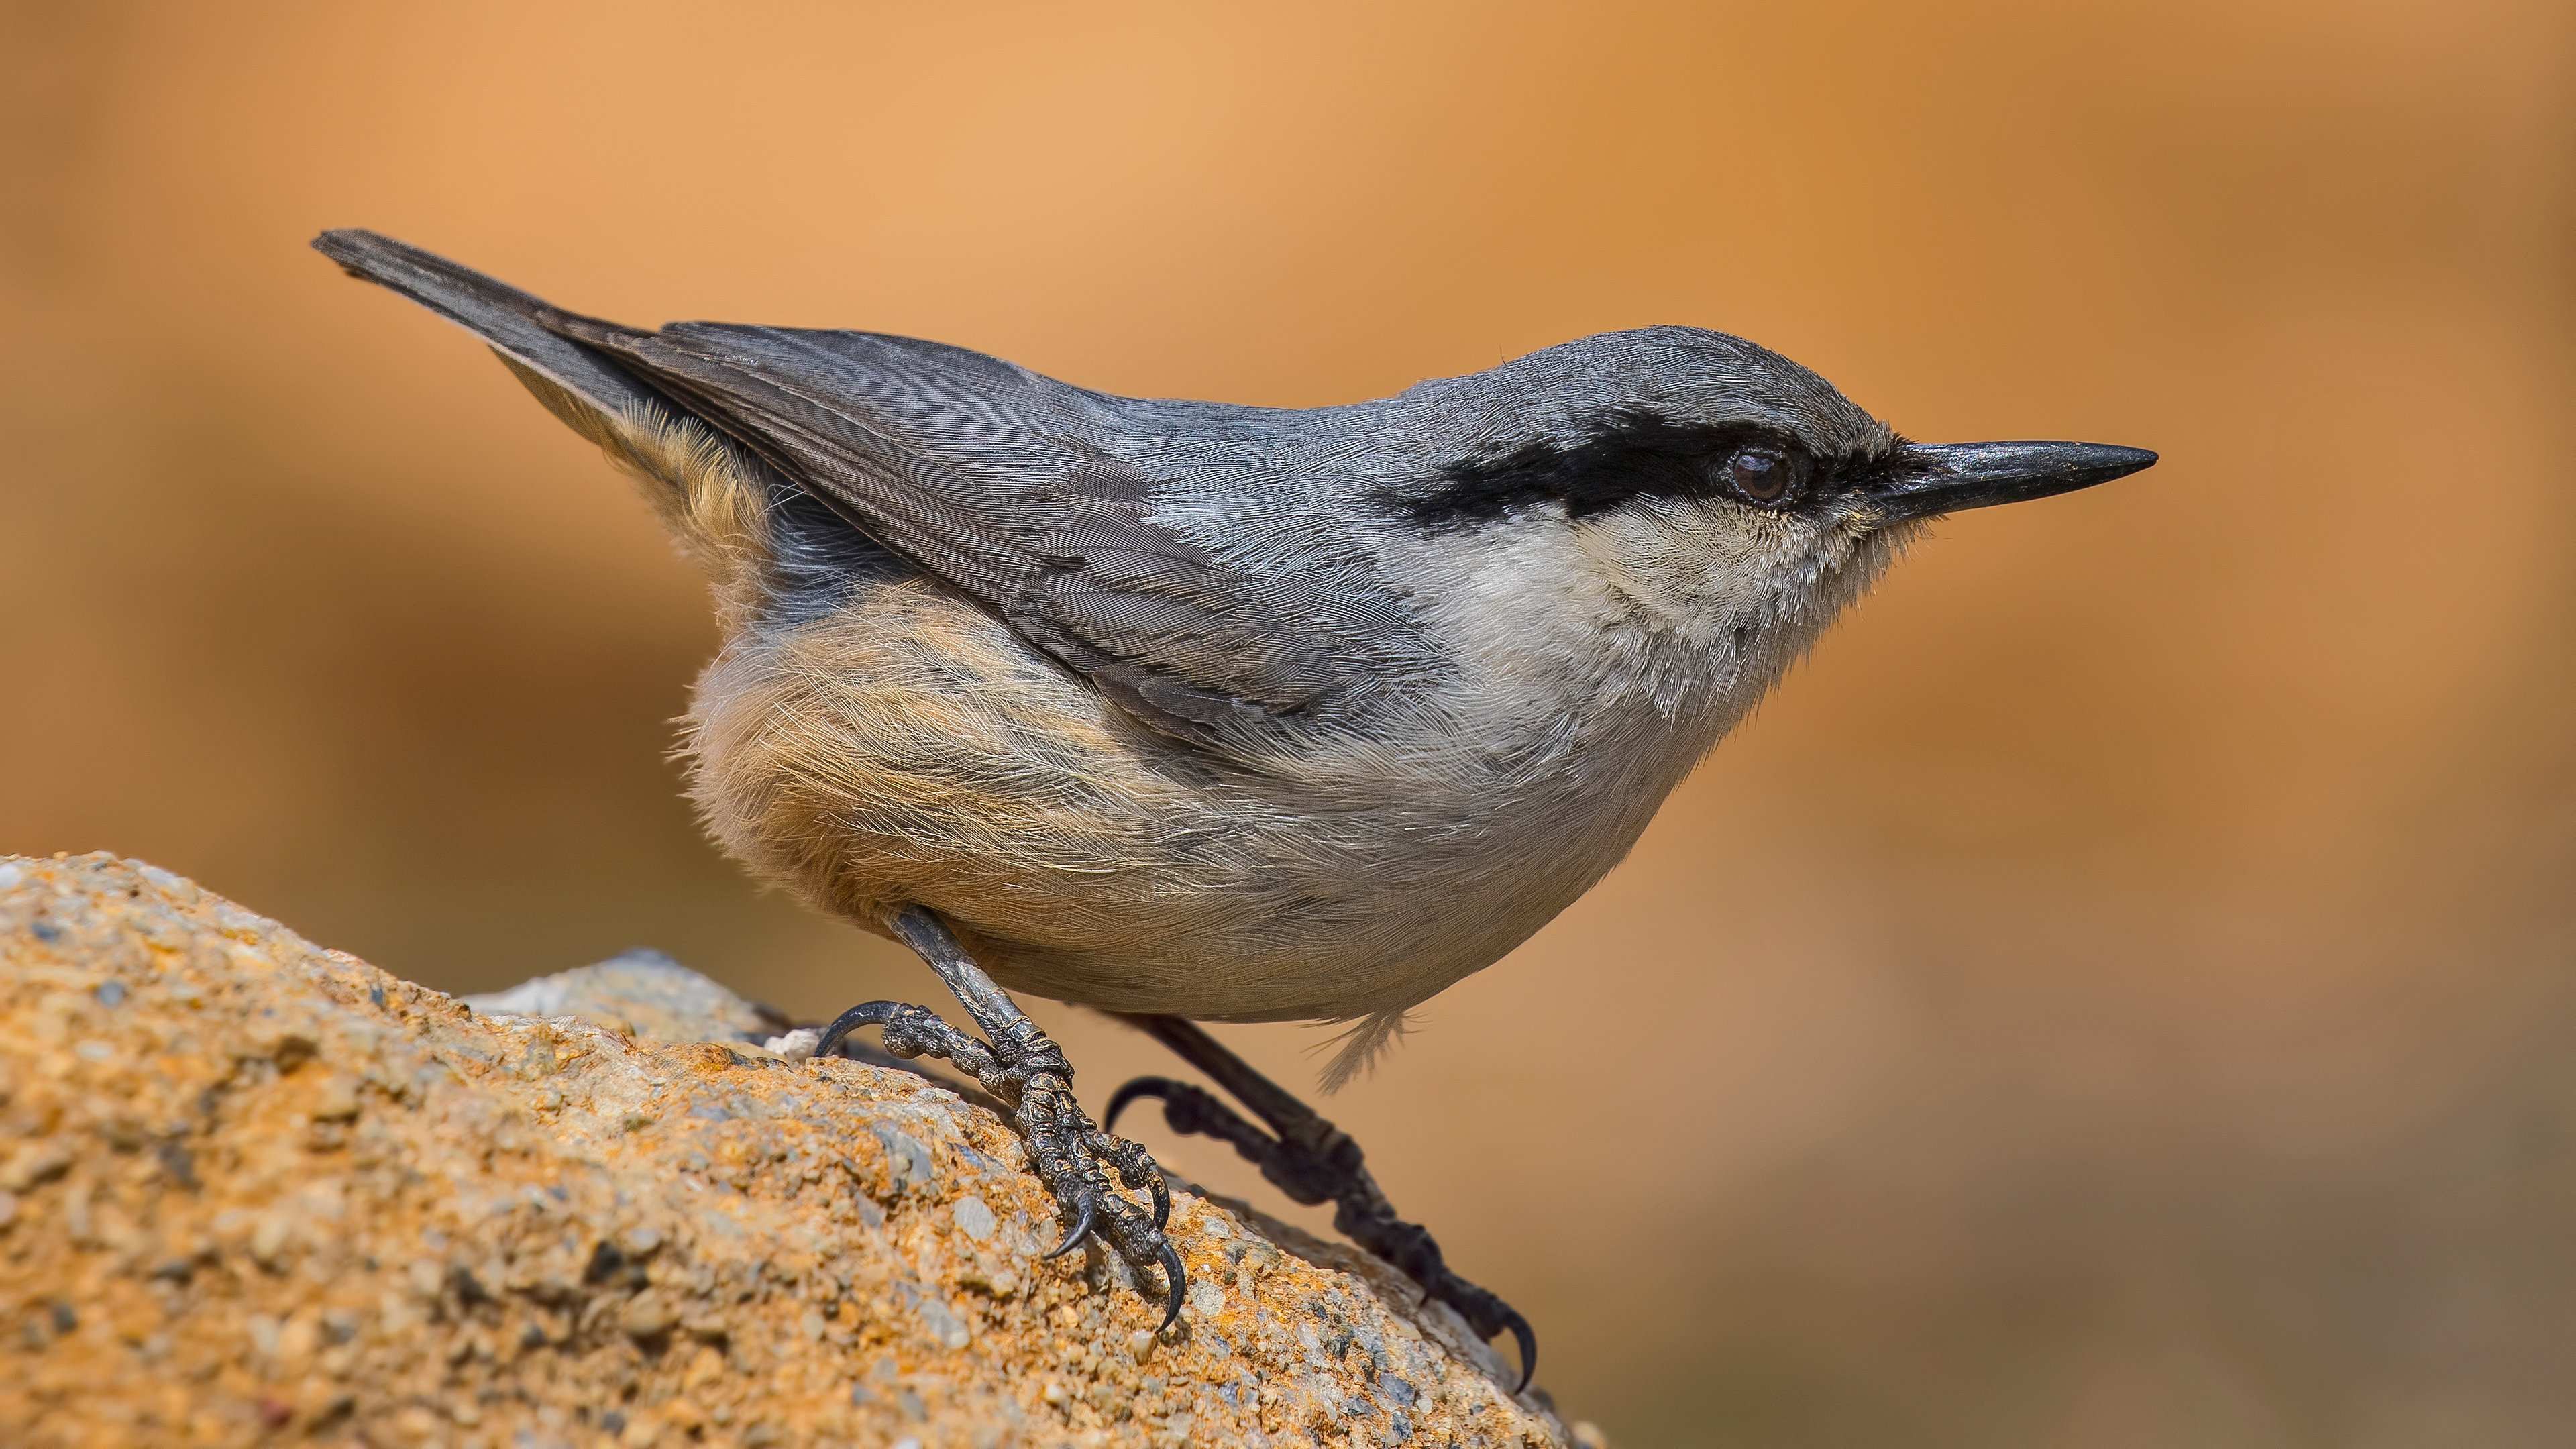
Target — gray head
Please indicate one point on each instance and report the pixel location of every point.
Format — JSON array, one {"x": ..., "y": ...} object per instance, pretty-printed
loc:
[
  {"x": 1677, "y": 489},
  {"x": 1625, "y": 418}
]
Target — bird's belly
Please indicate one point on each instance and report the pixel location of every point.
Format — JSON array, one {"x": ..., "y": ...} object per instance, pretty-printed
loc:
[{"x": 907, "y": 748}]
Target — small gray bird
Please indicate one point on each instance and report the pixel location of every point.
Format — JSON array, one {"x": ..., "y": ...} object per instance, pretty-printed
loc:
[{"x": 1196, "y": 711}]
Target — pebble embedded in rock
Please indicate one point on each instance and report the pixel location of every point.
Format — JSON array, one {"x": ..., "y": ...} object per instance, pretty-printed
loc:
[
  {"x": 39, "y": 1162},
  {"x": 268, "y": 1239},
  {"x": 649, "y": 1315},
  {"x": 336, "y": 1100}
]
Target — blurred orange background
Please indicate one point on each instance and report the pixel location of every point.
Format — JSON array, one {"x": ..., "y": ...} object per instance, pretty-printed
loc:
[{"x": 2119, "y": 992}]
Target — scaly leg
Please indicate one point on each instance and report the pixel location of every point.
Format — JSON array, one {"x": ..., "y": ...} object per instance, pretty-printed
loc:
[
  {"x": 1312, "y": 1161},
  {"x": 1022, "y": 1069}
]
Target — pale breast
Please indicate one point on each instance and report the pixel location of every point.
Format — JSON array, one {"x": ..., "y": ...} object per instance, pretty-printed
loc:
[{"x": 905, "y": 746}]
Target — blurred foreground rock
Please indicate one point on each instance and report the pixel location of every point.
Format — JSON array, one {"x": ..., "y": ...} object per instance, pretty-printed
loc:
[{"x": 255, "y": 1190}]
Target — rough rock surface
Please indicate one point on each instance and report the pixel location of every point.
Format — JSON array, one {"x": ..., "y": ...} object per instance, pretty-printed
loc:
[
  {"x": 640, "y": 993},
  {"x": 255, "y": 1190}
]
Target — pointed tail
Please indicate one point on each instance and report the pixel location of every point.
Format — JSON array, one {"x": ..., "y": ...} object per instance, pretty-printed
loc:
[{"x": 510, "y": 320}]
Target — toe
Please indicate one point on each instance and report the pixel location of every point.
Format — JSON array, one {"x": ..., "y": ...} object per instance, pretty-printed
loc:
[
  {"x": 1157, "y": 1088},
  {"x": 1086, "y": 1214},
  {"x": 1528, "y": 1342},
  {"x": 1180, "y": 1287}
]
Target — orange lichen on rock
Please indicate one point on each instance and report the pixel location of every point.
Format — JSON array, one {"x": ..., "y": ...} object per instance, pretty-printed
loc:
[{"x": 254, "y": 1189}]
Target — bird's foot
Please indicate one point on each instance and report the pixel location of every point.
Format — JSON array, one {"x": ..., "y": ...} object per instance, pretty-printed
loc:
[
  {"x": 1314, "y": 1162},
  {"x": 1028, "y": 1073}
]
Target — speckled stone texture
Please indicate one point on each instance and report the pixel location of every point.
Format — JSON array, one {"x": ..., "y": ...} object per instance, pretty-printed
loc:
[
  {"x": 640, "y": 993},
  {"x": 252, "y": 1190}
]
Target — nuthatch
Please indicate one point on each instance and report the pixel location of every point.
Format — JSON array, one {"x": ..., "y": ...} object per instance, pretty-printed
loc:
[{"x": 1195, "y": 711}]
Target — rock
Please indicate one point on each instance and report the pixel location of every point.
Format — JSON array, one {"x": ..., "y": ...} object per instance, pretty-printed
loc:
[
  {"x": 641, "y": 993},
  {"x": 34, "y": 1163},
  {"x": 296, "y": 1196}
]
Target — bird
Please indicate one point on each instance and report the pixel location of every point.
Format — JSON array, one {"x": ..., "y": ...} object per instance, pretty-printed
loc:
[{"x": 1197, "y": 711}]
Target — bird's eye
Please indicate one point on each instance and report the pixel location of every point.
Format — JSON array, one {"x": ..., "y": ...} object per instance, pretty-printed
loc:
[{"x": 1759, "y": 474}]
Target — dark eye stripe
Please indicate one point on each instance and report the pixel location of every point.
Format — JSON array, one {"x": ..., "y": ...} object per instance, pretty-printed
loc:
[{"x": 1631, "y": 454}]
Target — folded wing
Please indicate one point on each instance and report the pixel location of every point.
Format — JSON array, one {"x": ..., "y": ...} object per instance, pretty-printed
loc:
[{"x": 1027, "y": 495}]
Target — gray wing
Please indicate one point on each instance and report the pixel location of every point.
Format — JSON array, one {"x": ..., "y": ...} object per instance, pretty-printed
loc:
[{"x": 1040, "y": 500}]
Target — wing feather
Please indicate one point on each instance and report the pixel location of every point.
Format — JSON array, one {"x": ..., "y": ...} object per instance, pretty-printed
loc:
[{"x": 1028, "y": 495}]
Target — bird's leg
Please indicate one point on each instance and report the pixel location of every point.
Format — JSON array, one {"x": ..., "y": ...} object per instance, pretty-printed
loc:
[
  {"x": 1312, "y": 1161},
  {"x": 1028, "y": 1074}
]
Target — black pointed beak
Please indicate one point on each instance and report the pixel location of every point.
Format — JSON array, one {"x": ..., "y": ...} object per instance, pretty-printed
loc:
[{"x": 1930, "y": 478}]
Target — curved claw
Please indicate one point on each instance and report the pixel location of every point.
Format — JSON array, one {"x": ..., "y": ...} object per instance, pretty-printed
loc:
[
  {"x": 866, "y": 1013},
  {"x": 1528, "y": 1342},
  {"x": 1180, "y": 1287},
  {"x": 1158, "y": 1088},
  {"x": 1162, "y": 1192},
  {"x": 1087, "y": 1213}
]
